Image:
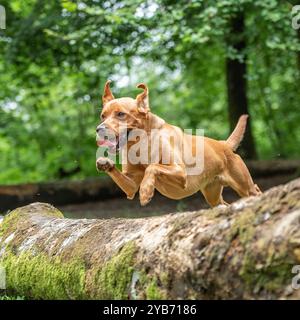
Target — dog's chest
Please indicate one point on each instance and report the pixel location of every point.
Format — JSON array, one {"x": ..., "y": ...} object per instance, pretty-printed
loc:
[{"x": 169, "y": 187}]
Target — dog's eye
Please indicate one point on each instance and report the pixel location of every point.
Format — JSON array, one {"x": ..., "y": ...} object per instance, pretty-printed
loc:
[{"x": 121, "y": 115}]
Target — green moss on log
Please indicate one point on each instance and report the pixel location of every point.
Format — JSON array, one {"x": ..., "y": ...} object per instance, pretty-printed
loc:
[
  {"x": 36, "y": 275},
  {"x": 153, "y": 291},
  {"x": 243, "y": 227},
  {"x": 150, "y": 286},
  {"x": 113, "y": 279},
  {"x": 41, "y": 277},
  {"x": 264, "y": 275},
  {"x": 10, "y": 220}
]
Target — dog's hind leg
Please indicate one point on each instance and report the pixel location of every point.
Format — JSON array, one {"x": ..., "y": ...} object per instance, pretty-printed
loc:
[
  {"x": 239, "y": 178},
  {"x": 213, "y": 194}
]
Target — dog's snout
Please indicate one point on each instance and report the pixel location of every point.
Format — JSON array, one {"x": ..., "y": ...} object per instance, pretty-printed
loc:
[{"x": 100, "y": 128}]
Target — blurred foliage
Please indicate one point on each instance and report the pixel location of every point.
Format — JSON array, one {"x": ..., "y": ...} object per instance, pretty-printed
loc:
[{"x": 56, "y": 55}]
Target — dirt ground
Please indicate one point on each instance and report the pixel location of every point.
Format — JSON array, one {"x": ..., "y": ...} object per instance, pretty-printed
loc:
[{"x": 121, "y": 207}]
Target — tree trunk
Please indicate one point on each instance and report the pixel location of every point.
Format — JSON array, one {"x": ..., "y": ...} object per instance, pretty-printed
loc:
[
  {"x": 236, "y": 72},
  {"x": 58, "y": 192},
  {"x": 246, "y": 250},
  {"x": 298, "y": 53}
]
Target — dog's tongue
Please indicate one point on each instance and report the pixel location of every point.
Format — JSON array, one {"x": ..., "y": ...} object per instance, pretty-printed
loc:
[{"x": 105, "y": 143}]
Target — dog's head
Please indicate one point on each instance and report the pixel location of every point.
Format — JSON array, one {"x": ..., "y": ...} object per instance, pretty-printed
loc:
[{"x": 120, "y": 116}]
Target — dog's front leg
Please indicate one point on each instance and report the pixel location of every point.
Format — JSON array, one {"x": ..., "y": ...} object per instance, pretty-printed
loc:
[
  {"x": 148, "y": 183},
  {"x": 128, "y": 185}
]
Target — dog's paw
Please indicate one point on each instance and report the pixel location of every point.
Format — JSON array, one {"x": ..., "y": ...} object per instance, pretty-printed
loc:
[
  {"x": 146, "y": 194},
  {"x": 145, "y": 200},
  {"x": 104, "y": 164}
]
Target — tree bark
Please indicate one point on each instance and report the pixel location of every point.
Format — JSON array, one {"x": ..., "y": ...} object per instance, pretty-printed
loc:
[
  {"x": 236, "y": 72},
  {"x": 246, "y": 250}
]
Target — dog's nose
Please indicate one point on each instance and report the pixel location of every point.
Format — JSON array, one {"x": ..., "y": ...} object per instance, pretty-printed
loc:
[{"x": 100, "y": 128}]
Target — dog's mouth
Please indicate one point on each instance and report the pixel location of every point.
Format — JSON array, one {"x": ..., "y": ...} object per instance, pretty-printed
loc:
[{"x": 114, "y": 142}]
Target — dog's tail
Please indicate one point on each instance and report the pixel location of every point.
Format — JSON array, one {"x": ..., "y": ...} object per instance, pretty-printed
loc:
[{"x": 237, "y": 135}]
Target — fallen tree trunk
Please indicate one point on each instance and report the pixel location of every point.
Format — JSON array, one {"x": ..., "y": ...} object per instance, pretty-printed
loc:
[
  {"x": 58, "y": 192},
  {"x": 246, "y": 250},
  {"x": 269, "y": 168}
]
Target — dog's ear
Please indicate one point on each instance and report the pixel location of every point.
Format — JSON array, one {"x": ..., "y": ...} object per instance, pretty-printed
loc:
[
  {"x": 107, "y": 95},
  {"x": 142, "y": 99}
]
